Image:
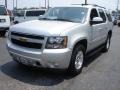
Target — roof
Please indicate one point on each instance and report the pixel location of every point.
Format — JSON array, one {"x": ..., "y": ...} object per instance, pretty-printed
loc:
[
  {"x": 89, "y": 5},
  {"x": 84, "y": 5},
  {"x": 2, "y": 5}
]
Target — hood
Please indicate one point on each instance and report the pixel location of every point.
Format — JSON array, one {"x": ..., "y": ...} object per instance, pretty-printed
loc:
[{"x": 43, "y": 27}]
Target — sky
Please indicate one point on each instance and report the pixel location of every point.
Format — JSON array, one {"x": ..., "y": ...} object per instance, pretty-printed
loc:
[{"x": 109, "y": 4}]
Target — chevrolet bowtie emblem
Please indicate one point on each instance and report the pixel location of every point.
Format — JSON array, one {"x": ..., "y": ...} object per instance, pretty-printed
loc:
[{"x": 23, "y": 39}]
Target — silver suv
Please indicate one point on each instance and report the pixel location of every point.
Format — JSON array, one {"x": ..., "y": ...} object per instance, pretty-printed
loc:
[{"x": 61, "y": 38}]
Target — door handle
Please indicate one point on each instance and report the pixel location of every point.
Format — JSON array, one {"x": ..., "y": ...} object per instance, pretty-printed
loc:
[
  {"x": 106, "y": 28},
  {"x": 100, "y": 29}
]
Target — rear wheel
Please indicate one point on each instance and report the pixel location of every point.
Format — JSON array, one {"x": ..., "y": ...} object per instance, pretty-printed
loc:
[
  {"x": 77, "y": 59},
  {"x": 107, "y": 44}
]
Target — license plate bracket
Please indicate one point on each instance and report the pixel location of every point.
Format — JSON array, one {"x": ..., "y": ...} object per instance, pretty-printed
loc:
[{"x": 23, "y": 60}]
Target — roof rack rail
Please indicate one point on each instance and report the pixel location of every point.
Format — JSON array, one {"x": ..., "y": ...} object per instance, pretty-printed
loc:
[
  {"x": 76, "y": 4},
  {"x": 2, "y": 5},
  {"x": 94, "y": 5},
  {"x": 90, "y": 4}
]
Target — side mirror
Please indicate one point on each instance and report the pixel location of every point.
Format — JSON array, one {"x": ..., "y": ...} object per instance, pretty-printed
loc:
[
  {"x": 15, "y": 22},
  {"x": 41, "y": 16},
  {"x": 96, "y": 20},
  {"x": 12, "y": 18}
]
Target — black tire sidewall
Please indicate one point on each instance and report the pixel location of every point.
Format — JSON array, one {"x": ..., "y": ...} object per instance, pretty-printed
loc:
[
  {"x": 72, "y": 68},
  {"x": 108, "y": 38},
  {"x": 105, "y": 49}
]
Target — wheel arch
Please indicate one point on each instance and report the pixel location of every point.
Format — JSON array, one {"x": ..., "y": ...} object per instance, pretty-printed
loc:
[
  {"x": 83, "y": 42},
  {"x": 110, "y": 33}
]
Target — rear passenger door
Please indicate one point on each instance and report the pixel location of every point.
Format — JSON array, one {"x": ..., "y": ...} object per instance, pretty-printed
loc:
[
  {"x": 110, "y": 23},
  {"x": 95, "y": 29},
  {"x": 103, "y": 26}
]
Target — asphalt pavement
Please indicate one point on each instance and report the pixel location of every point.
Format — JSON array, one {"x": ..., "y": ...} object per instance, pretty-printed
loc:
[{"x": 101, "y": 72}]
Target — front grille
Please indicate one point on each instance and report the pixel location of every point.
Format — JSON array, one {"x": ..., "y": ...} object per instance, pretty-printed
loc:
[
  {"x": 27, "y": 44},
  {"x": 15, "y": 39},
  {"x": 2, "y": 20},
  {"x": 28, "y": 36}
]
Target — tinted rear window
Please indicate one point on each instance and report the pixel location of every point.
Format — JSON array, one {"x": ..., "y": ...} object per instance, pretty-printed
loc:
[
  {"x": 109, "y": 17},
  {"x": 102, "y": 15},
  {"x": 3, "y": 10},
  {"x": 34, "y": 13}
]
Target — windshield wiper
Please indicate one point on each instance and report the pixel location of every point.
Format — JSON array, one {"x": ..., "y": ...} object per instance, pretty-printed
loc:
[
  {"x": 61, "y": 19},
  {"x": 45, "y": 19}
]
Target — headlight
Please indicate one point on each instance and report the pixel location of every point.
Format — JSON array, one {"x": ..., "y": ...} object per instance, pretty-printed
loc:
[{"x": 56, "y": 42}]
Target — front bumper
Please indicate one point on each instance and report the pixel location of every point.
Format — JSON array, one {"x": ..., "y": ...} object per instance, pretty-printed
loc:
[
  {"x": 4, "y": 28},
  {"x": 46, "y": 58}
]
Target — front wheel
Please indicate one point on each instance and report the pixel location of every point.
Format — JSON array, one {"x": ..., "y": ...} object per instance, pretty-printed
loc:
[{"x": 77, "y": 60}]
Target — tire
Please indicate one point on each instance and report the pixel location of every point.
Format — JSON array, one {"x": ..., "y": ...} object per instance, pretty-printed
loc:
[
  {"x": 15, "y": 22},
  {"x": 119, "y": 24},
  {"x": 2, "y": 33},
  {"x": 77, "y": 60},
  {"x": 107, "y": 44}
]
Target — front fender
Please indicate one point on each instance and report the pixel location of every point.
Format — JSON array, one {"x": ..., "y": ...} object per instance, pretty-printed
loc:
[{"x": 75, "y": 39}]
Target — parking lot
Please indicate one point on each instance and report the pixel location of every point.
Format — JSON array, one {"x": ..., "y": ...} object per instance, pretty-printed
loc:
[{"x": 101, "y": 72}]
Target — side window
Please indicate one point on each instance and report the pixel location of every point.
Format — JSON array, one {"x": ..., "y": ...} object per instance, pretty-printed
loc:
[
  {"x": 93, "y": 14},
  {"x": 3, "y": 10},
  {"x": 102, "y": 15},
  {"x": 109, "y": 17}
]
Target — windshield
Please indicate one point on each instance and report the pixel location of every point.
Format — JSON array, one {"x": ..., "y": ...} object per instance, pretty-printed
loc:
[
  {"x": 21, "y": 13},
  {"x": 3, "y": 10},
  {"x": 73, "y": 14}
]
